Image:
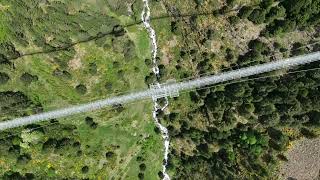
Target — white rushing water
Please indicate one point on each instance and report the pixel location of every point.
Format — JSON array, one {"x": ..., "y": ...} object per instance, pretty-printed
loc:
[{"x": 145, "y": 16}]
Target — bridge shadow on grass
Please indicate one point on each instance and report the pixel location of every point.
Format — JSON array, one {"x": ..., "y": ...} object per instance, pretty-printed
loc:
[{"x": 118, "y": 30}]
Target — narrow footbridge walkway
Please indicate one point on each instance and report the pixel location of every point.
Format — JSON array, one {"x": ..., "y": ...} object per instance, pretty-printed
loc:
[{"x": 163, "y": 91}]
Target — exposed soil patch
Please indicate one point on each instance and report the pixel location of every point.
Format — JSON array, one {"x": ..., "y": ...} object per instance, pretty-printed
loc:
[
  {"x": 167, "y": 57},
  {"x": 76, "y": 63},
  {"x": 303, "y": 161},
  {"x": 243, "y": 32}
]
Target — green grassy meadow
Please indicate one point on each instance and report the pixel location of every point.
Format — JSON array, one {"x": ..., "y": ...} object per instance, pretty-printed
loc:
[{"x": 128, "y": 133}]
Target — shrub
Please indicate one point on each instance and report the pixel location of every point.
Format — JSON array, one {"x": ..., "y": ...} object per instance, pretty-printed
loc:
[
  {"x": 93, "y": 68},
  {"x": 280, "y": 26},
  {"x": 14, "y": 102},
  {"x": 91, "y": 123},
  {"x": 79, "y": 153},
  {"x": 266, "y": 3},
  {"x": 109, "y": 154},
  {"x": 12, "y": 175},
  {"x": 23, "y": 159},
  {"x": 118, "y": 108},
  {"x": 150, "y": 79},
  {"x": 173, "y": 116},
  {"x": 245, "y": 12},
  {"x": 198, "y": 2},
  {"x": 29, "y": 176},
  {"x": 120, "y": 74},
  {"x": 249, "y": 58},
  {"x": 160, "y": 174},
  {"x": 4, "y": 78},
  {"x": 277, "y": 45},
  {"x": 282, "y": 157},
  {"x": 234, "y": 19},
  {"x": 275, "y": 13},
  {"x": 62, "y": 73},
  {"x": 231, "y": 3},
  {"x": 81, "y": 89},
  {"x": 118, "y": 31},
  {"x": 258, "y": 46},
  {"x": 64, "y": 142},
  {"x": 3, "y": 59},
  {"x": 230, "y": 55},
  {"x": 129, "y": 50},
  {"x": 15, "y": 150},
  {"x": 224, "y": 9},
  {"x": 94, "y": 125},
  {"x": 141, "y": 176},
  {"x": 139, "y": 158},
  {"x": 316, "y": 47},
  {"x": 136, "y": 69},
  {"x": 108, "y": 86},
  {"x": 298, "y": 49},
  {"x": 174, "y": 26},
  {"x": 28, "y": 78},
  {"x": 308, "y": 133},
  {"x": 116, "y": 64},
  {"x": 89, "y": 120},
  {"x": 162, "y": 70},
  {"x": 142, "y": 167},
  {"x": 148, "y": 62},
  {"x": 50, "y": 144},
  {"x": 258, "y": 16},
  {"x": 85, "y": 169},
  {"x": 9, "y": 50}
]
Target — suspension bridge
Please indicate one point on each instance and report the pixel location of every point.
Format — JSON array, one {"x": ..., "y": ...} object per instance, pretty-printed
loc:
[{"x": 164, "y": 90}]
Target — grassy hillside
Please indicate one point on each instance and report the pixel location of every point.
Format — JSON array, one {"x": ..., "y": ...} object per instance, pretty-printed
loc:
[{"x": 61, "y": 53}]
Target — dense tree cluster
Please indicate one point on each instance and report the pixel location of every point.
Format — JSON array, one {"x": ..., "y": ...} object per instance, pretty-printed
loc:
[
  {"x": 63, "y": 143},
  {"x": 13, "y": 103},
  {"x": 238, "y": 131},
  {"x": 255, "y": 55},
  {"x": 283, "y": 16},
  {"x": 243, "y": 126}
]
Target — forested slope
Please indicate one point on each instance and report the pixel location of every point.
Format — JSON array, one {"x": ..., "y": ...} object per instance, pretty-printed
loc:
[{"x": 238, "y": 130}]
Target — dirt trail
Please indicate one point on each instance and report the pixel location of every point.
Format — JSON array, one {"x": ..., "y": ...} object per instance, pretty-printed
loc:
[{"x": 303, "y": 161}]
